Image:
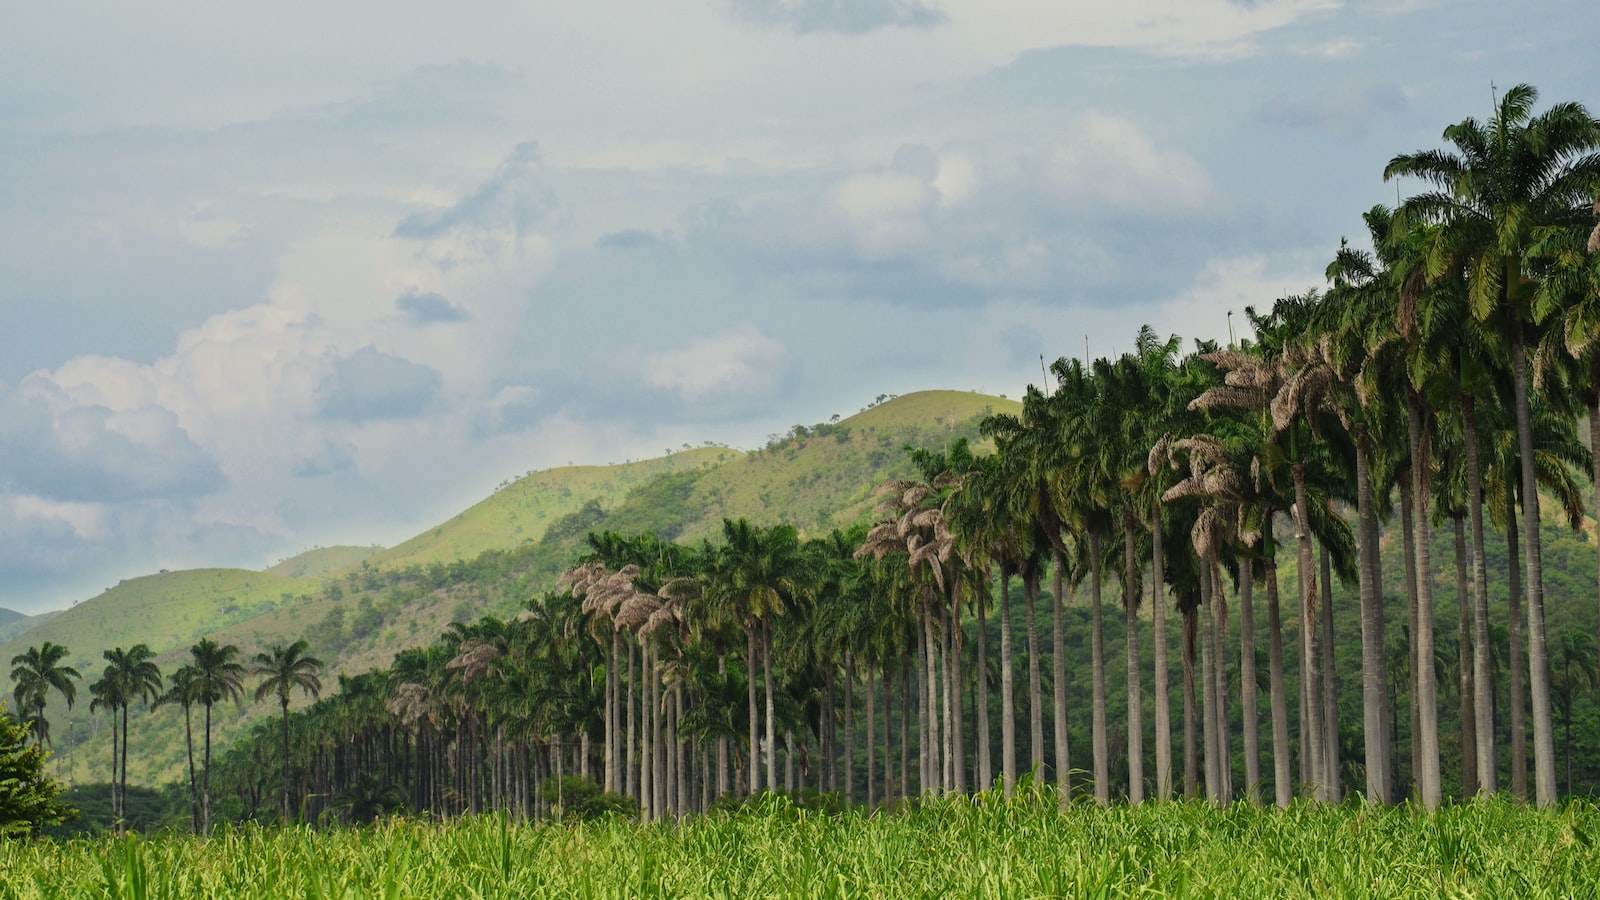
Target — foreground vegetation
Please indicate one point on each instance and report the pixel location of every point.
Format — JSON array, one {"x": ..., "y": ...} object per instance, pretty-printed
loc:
[{"x": 967, "y": 847}]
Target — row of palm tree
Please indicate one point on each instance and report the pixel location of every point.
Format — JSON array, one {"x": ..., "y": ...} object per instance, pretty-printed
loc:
[
  {"x": 131, "y": 676},
  {"x": 1437, "y": 376}
]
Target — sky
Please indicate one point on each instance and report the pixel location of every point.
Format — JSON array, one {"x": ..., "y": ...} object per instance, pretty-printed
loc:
[{"x": 299, "y": 274}]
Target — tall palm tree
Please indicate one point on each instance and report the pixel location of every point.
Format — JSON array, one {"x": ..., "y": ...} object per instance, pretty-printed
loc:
[
  {"x": 35, "y": 672},
  {"x": 129, "y": 675},
  {"x": 283, "y": 670},
  {"x": 218, "y": 676},
  {"x": 182, "y": 691},
  {"x": 1506, "y": 179}
]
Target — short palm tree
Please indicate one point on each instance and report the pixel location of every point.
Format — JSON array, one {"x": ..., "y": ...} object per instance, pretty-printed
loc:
[
  {"x": 282, "y": 670},
  {"x": 35, "y": 673}
]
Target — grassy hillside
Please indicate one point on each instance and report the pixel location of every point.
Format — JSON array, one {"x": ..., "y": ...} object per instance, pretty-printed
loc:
[
  {"x": 323, "y": 560},
  {"x": 13, "y": 623},
  {"x": 521, "y": 510},
  {"x": 359, "y": 606}
]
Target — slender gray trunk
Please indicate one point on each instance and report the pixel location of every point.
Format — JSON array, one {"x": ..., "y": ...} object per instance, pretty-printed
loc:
[
  {"x": 1247, "y": 683},
  {"x": 1544, "y": 740},
  {"x": 772, "y": 715},
  {"x": 1408, "y": 525},
  {"x": 872, "y": 785},
  {"x": 1208, "y": 685},
  {"x": 1130, "y": 618},
  {"x": 1516, "y": 681},
  {"x": 1191, "y": 751},
  {"x": 1191, "y": 756},
  {"x": 1283, "y": 788},
  {"x": 1008, "y": 689},
  {"x": 1330, "y": 684},
  {"x": 849, "y": 727},
  {"x": 1097, "y": 653},
  {"x": 1219, "y": 661},
  {"x": 1311, "y": 706},
  {"x": 1482, "y": 690},
  {"x": 1058, "y": 661},
  {"x": 1030, "y": 594},
  {"x": 985, "y": 745},
  {"x": 1464, "y": 694},
  {"x": 630, "y": 773},
  {"x": 1158, "y": 625},
  {"x": 1427, "y": 738},
  {"x": 930, "y": 703},
  {"x": 755, "y": 718},
  {"x": 1372, "y": 647}
]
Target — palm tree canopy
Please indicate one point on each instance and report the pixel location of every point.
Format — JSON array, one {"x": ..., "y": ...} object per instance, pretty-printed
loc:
[{"x": 282, "y": 669}]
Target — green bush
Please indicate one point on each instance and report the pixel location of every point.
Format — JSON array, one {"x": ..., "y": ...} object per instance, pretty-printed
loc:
[
  {"x": 576, "y": 797},
  {"x": 28, "y": 798}
]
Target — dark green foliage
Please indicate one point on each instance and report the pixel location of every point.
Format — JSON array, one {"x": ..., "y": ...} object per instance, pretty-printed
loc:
[
  {"x": 29, "y": 799},
  {"x": 581, "y": 799}
]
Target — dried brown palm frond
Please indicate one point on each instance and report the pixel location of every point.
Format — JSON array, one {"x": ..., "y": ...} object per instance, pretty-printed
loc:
[
  {"x": 475, "y": 660},
  {"x": 1305, "y": 390},
  {"x": 636, "y": 610},
  {"x": 1161, "y": 454},
  {"x": 1594, "y": 236},
  {"x": 662, "y": 617},
  {"x": 1230, "y": 396},
  {"x": 410, "y": 703}
]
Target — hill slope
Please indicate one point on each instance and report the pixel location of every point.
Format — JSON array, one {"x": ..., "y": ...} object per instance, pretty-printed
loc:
[{"x": 358, "y": 608}]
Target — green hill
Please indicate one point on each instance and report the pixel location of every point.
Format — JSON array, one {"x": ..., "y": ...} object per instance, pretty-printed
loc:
[
  {"x": 13, "y": 623},
  {"x": 358, "y": 606},
  {"x": 322, "y": 560}
]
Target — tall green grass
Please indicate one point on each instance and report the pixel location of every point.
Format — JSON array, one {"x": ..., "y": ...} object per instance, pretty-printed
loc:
[{"x": 944, "y": 849}]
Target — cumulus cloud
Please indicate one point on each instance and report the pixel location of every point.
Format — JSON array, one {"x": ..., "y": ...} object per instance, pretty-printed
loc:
[
  {"x": 503, "y": 210},
  {"x": 57, "y": 449},
  {"x": 429, "y": 308},
  {"x": 740, "y": 360},
  {"x": 369, "y": 385},
  {"x": 836, "y": 16}
]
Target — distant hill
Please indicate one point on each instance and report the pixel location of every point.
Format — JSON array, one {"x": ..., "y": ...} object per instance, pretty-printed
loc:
[
  {"x": 13, "y": 623},
  {"x": 322, "y": 560},
  {"x": 358, "y": 606}
]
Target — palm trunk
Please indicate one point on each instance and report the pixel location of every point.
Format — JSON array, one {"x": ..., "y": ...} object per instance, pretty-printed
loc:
[
  {"x": 1408, "y": 525},
  {"x": 772, "y": 725},
  {"x": 1283, "y": 788},
  {"x": 1427, "y": 738},
  {"x": 1330, "y": 684},
  {"x": 1208, "y": 677},
  {"x": 283, "y": 702},
  {"x": 957, "y": 725},
  {"x": 1311, "y": 707},
  {"x": 1191, "y": 764},
  {"x": 849, "y": 791},
  {"x": 1248, "y": 690},
  {"x": 755, "y": 718},
  {"x": 1372, "y": 642},
  {"x": 1030, "y": 594},
  {"x": 1482, "y": 690},
  {"x": 1097, "y": 663},
  {"x": 872, "y": 793},
  {"x": 1008, "y": 689},
  {"x": 1058, "y": 647},
  {"x": 1219, "y": 661},
  {"x": 1191, "y": 751},
  {"x": 905, "y": 726},
  {"x": 928, "y": 685},
  {"x": 1464, "y": 694},
  {"x": 630, "y": 775},
  {"x": 1158, "y": 625},
  {"x": 1130, "y": 617},
  {"x": 194, "y": 799},
  {"x": 985, "y": 746},
  {"x": 205, "y": 775},
  {"x": 1514, "y": 662},
  {"x": 1544, "y": 760}
]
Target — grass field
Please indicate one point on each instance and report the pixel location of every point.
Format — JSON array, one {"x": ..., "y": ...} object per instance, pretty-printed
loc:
[{"x": 946, "y": 849}]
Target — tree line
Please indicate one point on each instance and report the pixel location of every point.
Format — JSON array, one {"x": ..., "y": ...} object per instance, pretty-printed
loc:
[{"x": 1435, "y": 382}]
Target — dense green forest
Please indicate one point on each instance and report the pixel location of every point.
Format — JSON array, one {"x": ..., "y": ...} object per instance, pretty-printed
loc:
[{"x": 1352, "y": 553}]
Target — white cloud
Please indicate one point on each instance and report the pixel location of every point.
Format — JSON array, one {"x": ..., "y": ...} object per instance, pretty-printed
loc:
[{"x": 735, "y": 367}]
